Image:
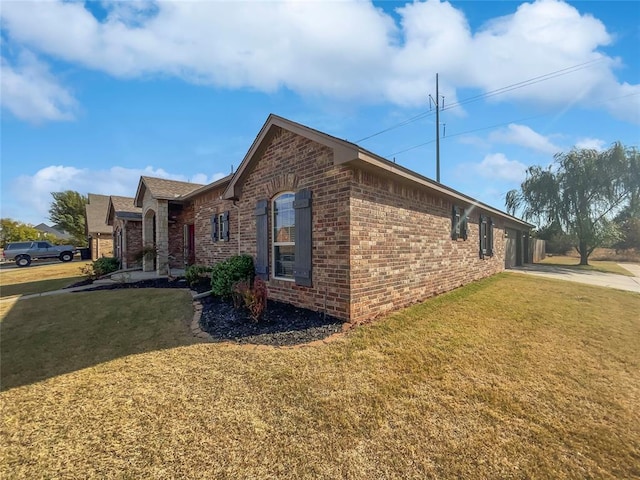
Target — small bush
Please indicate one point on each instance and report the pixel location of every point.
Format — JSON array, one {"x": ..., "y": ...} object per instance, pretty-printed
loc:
[
  {"x": 253, "y": 298},
  {"x": 102, "y": 266},
  {"x": 197, "y": 274},
  {"x": 224, "y": 275}
]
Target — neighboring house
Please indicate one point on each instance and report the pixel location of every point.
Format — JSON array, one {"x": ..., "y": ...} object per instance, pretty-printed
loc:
[
  {"x": 55, "y": 231},
  {"x": 126, "y": 220},
  {"x": 331, "y": 226},
  {"x": 166, "y": 217},
  {"x": 99, "y": 234}
]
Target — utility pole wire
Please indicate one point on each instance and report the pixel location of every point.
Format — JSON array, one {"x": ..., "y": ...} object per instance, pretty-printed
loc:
[
  {"x": 502, "y": 124},
  {"x": 492, "y": 93}
]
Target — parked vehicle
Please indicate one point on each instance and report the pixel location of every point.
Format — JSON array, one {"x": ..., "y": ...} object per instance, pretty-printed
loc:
[{"x": 24, "y": 252}]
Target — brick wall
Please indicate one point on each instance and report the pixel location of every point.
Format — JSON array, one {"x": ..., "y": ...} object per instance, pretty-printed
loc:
[
  {"x": 101, "y": 246},
  {"x": 401, "y": 247},
  {"x": 208, "y": 252},
  {"x": 179, "y": 216},
  {"x": 290, "y": 163},
  {"x": 133, "y": 232}
]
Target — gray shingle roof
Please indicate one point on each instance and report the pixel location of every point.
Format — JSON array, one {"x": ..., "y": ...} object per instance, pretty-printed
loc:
[
  {"x": 124, "y": 205},
  {"x": 168, "y": 189},
  {"x": 96, "y": 211}
]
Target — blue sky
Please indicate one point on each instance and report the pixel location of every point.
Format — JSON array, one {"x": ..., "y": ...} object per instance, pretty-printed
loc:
[{"x": 96, "y": 94}]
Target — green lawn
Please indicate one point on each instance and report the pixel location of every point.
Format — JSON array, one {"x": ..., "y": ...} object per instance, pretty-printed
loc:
[
  {"x": 39, "y": 278},
  {"x": 510, "y": 377}
]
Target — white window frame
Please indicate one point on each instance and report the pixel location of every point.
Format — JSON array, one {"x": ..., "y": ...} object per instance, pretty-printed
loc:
[{"x": 275, "y": 244}]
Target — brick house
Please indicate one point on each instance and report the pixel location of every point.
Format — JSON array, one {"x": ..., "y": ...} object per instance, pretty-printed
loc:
[
  {"x": 166, "y": 219},
  {"x": 126, "y": 220},
  {"x": 333, "y": 227},
  {"x": 99, "y": 234}
]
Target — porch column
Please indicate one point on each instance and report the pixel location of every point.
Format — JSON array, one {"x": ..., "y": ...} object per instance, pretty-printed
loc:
[
  {"x": 162, "y": 237},
  {"x": 148, "y": 238}
]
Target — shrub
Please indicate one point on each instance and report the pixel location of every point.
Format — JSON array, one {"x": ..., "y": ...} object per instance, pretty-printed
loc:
[
  {"x": 102, "y": 266},
  {"x": 253, "y": 298},
  {"x": 224, "y": 275},
  {"x": 197, "y": 274}
]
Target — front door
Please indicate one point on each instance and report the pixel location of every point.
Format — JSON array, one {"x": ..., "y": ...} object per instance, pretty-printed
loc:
[{"x": 189, "y": 242}]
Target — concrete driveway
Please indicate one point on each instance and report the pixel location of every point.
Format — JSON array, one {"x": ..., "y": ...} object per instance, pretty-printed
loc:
[{"x": 610, "y": 280}]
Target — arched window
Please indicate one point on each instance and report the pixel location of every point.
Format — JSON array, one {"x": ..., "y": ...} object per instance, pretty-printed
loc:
[{"x": 283, "y": 235}]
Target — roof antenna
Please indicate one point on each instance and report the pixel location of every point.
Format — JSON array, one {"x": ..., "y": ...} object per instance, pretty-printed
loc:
[
  {"x": 232, "y": 168},
  {"x": 394, "y": 159}
]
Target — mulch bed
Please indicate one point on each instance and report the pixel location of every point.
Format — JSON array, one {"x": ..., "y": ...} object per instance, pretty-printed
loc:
[{"x": 281, "y": 325}]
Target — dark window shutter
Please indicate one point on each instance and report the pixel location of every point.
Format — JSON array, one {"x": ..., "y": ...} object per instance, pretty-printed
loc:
[
  {"x": 483, "y": 236},
  {"x": 303, "y": 250},
  {"x": 225, "y": 226},
  {"x": 214, "y": 227},
  {"x": 262, "y": 240},
  {"x": 463, "y": 224},
  {"x": 455, "y": 222},
  {"x": 490, "y": 237}
]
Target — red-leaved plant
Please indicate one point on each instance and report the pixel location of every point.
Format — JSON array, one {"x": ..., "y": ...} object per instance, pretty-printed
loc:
[{"x": 253, "y": 298}]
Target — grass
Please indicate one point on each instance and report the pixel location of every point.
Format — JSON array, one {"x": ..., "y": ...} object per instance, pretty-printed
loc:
[
  {"x": 40, "y": 278},
  {"x": 510, "y": 377},
  {"x": 594, "y": 265}
]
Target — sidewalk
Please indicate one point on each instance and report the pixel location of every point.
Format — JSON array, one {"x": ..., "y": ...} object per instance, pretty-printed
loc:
[{"x": 599, "y": 279}]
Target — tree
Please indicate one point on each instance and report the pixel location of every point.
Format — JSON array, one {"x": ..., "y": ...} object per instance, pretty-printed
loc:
[
  {"x": 581, "y": 192},
  {"x": 68, "y": 212},
  {"x": 13, "y": 231}
]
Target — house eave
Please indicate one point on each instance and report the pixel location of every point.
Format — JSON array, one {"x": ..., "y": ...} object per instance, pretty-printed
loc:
[{"x": 392, "y": 170}]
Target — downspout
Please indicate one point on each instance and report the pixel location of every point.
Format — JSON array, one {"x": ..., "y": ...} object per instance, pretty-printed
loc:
[{"x": 237, "y": 210}]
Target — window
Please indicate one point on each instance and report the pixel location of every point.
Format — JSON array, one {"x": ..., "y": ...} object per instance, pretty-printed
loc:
[
  {"x": 220, "y": 227},
  {"x": 220, "y": 224},
  {"x": 283, "y": 235},
  {"x": 486, "y": 237},
  {"x": 458, "y": 223}
]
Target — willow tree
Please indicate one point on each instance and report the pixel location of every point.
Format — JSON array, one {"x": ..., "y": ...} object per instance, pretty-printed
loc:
[{"x": 581, "y": 191}]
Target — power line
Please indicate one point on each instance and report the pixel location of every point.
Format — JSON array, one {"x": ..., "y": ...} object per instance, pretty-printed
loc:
[
  {"x": 492, "y": 93},
  {"x": 501, "y": 125}
]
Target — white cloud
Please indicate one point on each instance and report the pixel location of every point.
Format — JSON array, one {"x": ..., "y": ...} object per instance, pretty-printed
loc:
[
  {"x": 498, "y": 167},
  {"x": 317, "y": 48},
  {"x": 524, "y": 136},
  {"x": 591, "y": 144},
  {"x": 33, "y": 192},
  {"x": 31, "y": 93}
]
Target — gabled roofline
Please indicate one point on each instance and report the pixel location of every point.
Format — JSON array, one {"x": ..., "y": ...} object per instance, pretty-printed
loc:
[
  {"x": 343, "y": 151},
  {"x": 137, "y": 200},
  {"x": 347, "y": 152},
  {"x": 112, "y": 213},
  {"x": 206, "y": 188}
]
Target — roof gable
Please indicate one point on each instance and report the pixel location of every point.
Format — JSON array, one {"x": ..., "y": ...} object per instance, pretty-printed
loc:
[
  {"x": 96, "y": 214},
  {"x": 163, "y": 189},
  {"x": 343, "y": 151},
  {"x": 122, "y": 207}
]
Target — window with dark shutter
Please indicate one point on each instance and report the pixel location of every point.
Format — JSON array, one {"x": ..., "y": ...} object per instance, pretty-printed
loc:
[
  {"x": 224, "y": 230},
  {"x": 303, "y": 247},
  {"x": 490, "y": 237},
  {"x": 262, "y": 240},
  {"x": 455, "y": 223},
  {"x": 464, "y": 227},
  {"x": 486, "y": 237},
  {"x": 458, "y": 223},
  {"x": 214, "y": 228}
]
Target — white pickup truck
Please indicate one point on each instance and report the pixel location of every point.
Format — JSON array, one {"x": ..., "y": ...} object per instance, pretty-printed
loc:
[{"x": 24, "y": 252}]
